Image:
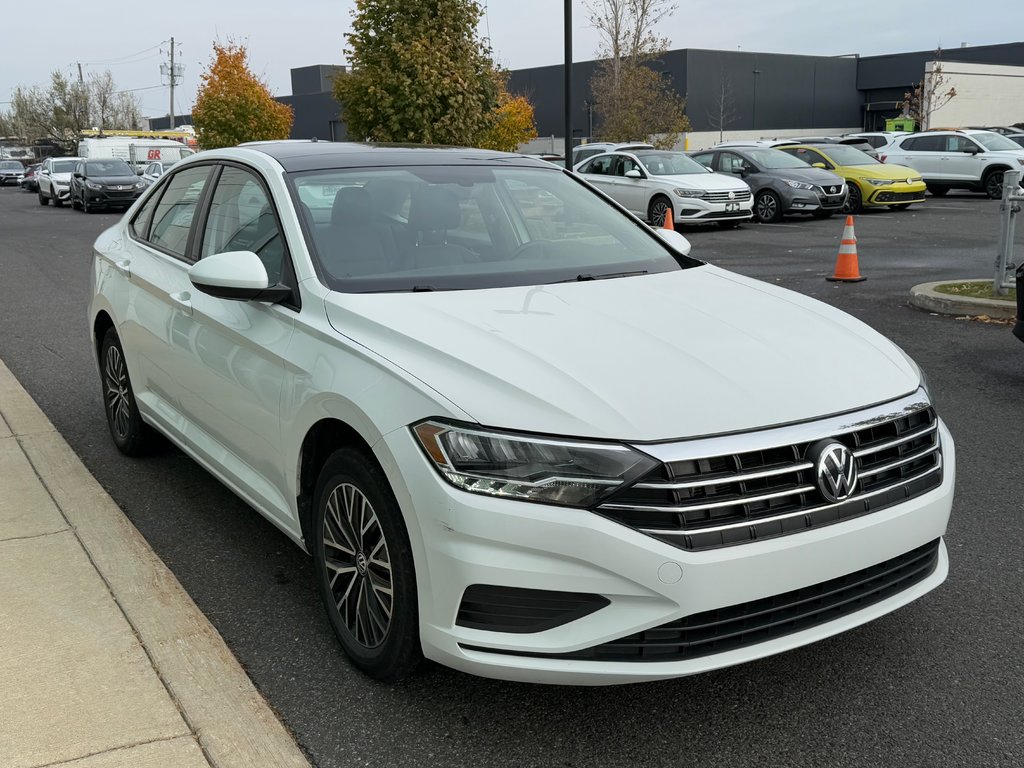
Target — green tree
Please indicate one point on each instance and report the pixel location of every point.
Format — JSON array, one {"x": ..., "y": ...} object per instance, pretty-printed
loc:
[
  {"x": 233, "y": 105},
  {"x": 632, "y": 100},
  {"x": 419, "y": 73}
]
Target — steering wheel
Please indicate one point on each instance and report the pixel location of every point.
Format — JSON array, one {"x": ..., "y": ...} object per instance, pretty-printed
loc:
[{"x": 533, "y": 248}]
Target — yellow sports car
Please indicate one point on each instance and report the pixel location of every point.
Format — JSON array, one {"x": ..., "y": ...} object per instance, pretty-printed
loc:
[{"x": 870, "y": 182}]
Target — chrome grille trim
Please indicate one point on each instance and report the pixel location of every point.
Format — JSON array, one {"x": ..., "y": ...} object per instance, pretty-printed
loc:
[
  {"x": 788, "y": 515},
  {"x": 893, "y": 443},
  {"x": 723, "y": 197},
  {"x": 723, "y": 480},
  {"x": 736, "y": 488}
]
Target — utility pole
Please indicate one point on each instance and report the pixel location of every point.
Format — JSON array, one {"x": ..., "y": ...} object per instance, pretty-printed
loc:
[
  {"x": 172, "y": 84},
  {"x": 79, "y": 71},
  {"x": 567, "y": 94},
  {"x": 173, "y": 74}
]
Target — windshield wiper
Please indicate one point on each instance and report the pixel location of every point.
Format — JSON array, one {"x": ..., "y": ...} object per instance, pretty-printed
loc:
[{"x": 586, "y": 276}]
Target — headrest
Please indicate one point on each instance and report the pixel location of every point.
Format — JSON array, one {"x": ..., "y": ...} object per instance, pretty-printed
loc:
[
  {"x": 434, "y": 208},
  {"x": 351, "y": 204}
]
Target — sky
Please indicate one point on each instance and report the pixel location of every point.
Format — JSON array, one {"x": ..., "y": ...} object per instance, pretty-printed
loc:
[{"x": 133, "y": 39}]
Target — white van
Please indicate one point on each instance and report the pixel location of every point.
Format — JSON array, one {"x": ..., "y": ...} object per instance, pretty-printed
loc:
[{"x": 138, "y": 153}]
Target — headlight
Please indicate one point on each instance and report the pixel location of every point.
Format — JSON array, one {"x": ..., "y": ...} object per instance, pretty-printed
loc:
[
  {"x": 880, "y": 182},
  {"x": 1020, "y": 160},
  {"x": 798, "y": 184},
  {"x": 680, "y": 192},
  {"x": 529, "y": 468},
  {"x": 140, "y": 185},
  {"x": 93, "y": 185}
]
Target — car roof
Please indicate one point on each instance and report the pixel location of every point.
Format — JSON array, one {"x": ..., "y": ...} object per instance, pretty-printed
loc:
[{"x": 305, "y": 155}]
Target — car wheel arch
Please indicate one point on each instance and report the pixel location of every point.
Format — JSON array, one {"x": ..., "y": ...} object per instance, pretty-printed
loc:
[{"x": 100, "y": 324}]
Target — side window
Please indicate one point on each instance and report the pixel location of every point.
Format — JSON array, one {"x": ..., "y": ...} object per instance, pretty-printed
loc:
[
  {"x": 807, "y": 155},
  {"x": 706, "y": 159},
  {"x": 963, "y": 144},
  {"x": 242, "y": 219},
  {"x": 140, "y": 224},
  {"x": 730, "y": 163},
  {"x": 625, "y": 165},
  {"x": 601, "y": 165},
  {"x": 172, "y": 217},
  {"x": 926, "y": 144}
]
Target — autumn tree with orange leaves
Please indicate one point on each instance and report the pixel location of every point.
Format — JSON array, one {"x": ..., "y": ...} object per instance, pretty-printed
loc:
[
  {"x": 510, "y": 123},
  {"x": 233, "y": 105}
]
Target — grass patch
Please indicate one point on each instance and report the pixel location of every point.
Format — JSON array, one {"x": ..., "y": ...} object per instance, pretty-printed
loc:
[{"x": 976, "y": 289}]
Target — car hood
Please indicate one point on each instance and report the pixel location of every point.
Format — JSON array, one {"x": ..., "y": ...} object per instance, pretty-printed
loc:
[
  {"x": 61, "y": 178},
  {"x": 807, "y": 175},
  {"x": 712, "y": 182},
  {"x": 114, "y": 180},
  {"x": 890, "y": 171},
  {"x": 694, "y": 352}
]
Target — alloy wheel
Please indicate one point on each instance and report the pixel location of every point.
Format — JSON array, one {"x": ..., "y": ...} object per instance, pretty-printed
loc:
[
  {"x": 358, "y": 565},
  {"x": 767, "y": 207},
  {"x": 659, "y": 209},
  {"x": 115, "y": 379},
  {"x": 994, "y": 185}
]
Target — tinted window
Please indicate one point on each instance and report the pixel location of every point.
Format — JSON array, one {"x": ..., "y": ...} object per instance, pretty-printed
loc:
[
  {"x": 706, "y": 159},
  {"x": 469, "y": 227},
  {"x": 173, "y": 215},
  {"x": 925, "y": 144},
  {"x": 600, "y": 165},
  {"x": 242, "y": 218},
  {"x": 809, "y": 156}
]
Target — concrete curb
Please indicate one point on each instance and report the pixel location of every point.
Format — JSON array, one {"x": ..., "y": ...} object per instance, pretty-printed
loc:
[
  {"x": 231, "y": 721},
  {"x": 924, "y": 296}
]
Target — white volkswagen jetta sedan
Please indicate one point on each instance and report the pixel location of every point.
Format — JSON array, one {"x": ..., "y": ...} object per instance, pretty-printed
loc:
[
  {"x": 650, "y": 182},
  {"x": 519, "y": 432}
]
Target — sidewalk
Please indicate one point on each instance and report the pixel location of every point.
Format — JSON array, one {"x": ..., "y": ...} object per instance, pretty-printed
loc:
[{"x": 105, "y": 661}]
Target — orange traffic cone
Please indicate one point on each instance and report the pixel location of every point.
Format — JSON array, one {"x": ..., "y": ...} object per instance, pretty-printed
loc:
[
  {"x": 669, "y": 224},
  {"x": 847, "y": 269}
]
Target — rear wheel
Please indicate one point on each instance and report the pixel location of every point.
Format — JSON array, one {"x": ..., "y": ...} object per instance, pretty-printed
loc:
[
  {"x": 993, "y": 185},
  {"x": 938, "y": 189},
  {"x": 364, "y": 566},
  {"x": 657, "y": 210},
  {"x": 767, "y": 207},
  {"x": 131, "y": 435}
]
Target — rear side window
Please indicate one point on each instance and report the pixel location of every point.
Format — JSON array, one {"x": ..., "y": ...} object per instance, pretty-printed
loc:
[
  {"x": 172, "y": 217},
  {"x": 925, "y": 144}
]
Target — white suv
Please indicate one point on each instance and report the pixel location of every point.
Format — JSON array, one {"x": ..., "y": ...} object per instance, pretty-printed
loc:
[
  {"x": 966, "y": 159},
  {"x": 55, "y": 180},
  {"x": 518, "y": 430}
]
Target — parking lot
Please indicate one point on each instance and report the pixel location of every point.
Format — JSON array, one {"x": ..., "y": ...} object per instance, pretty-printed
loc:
[{"x": 938, "y": 683}]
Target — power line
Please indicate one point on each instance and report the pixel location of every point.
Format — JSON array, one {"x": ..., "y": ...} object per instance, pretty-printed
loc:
[{"x": 126, "y": 56}]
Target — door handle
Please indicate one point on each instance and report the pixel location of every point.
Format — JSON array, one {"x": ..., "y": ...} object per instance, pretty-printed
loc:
[
  {"x": 124, "y": 267},
  {"x": 183, "y": 300}
]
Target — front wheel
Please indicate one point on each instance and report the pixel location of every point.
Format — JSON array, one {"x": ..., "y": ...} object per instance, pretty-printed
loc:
[
  {"x": 364, "y": 567},
  {"x": 994, "y": 185},
  {"x": 767, "y": 207},
  {"x": 132, "y": 436},
  {"x": 658, "y": 210},
  {"x": 85, "y": 204},
  {"x": 43, "y": 200},
  {"x": 854, "y": 202},
  {"x": 938, "y": 189}
]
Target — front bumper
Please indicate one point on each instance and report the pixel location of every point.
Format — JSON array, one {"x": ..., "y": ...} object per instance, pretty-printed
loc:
[
  {"x": 102, "y": 198},
  {"x": 12, "y": 179},
  {"x": 61, "y": 192},
  {"x": 893, "y": 194},
  {"x": 461, "y": 539},
  {"x": 695, "y": 210}
]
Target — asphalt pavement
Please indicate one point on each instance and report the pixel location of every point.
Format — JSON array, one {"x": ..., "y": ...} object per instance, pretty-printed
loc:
[{"x": 938, "y": 683}]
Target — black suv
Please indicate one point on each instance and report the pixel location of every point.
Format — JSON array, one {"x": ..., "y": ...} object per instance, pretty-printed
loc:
[{"x": 98, "y": 184}]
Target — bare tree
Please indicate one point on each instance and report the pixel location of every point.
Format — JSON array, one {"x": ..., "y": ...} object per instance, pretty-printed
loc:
[
  {"x": 631, "y": 98},
  {"x": 723, "y": 109},
  {"x": 929, "y": 95},
  {"x": 109, "y": 107}
]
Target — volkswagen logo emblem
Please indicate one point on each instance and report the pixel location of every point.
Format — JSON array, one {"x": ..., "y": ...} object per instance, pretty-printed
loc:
[
  {"x": 835, "y": 470},
  {"x": 732, "y": 195}
]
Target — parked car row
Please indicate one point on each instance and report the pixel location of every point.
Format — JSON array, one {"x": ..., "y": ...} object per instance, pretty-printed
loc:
[{"x": 88, "y": 185}]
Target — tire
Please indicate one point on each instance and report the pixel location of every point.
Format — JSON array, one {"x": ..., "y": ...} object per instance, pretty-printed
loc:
[
  {"x": 901, "y": 206},
  {"x": 131, "y": 435},
  {"x": 85, "y": 204},
  {"x": 57, "y": 202},
  {"x": 938, "y": 189},
  {"x": 354, "y": 569},
  {"x": 993, "y": 185},
  {"x": 767, "y": 207},
  {"x": 657, "y": 209},
  {"x": 854, "y": 201},
  {"x": 75, "y": 205},
  {"x": 43, "y": 200}
]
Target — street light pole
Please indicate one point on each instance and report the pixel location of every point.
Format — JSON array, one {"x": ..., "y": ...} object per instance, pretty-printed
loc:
[{"x": 568, "y": 84}]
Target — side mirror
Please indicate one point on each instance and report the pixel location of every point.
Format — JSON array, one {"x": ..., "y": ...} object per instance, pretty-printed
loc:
[
  {"x": 971, "y": 149},
  {"x": 818, "y": 165},
  {"x": 633, "y": 174},
  {"x": 78, "y": 175},
  {"x": 235, "y": 275},
  {"x": 140, "y": 171},
  {"x": 674, "y": 240}
]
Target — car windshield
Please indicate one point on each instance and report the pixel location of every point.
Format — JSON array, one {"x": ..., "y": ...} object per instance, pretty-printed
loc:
[
  {"x": 63, "y": 166},
  {"x": 468, "y": 226},
  {"x": 108, "y": 168},
  {"x": 774, "y": 159},
  {"x": 10, "y": 165},
  {"x": 840, "y": 154},
  {"x": 669, "y": 163},
  {"x": 994, "y": 141}
]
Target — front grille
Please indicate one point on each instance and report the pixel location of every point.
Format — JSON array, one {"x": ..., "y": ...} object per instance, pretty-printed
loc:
[
  {"x": 723, "y": 197},
  {"x": 513, "y": 609},
  {"x": 769, "y": 488},
  {"x": 898, "y": 197},
  {"x": 833, "y": 190},
  {"x": 119, "y": 194},
  {"x": 746, "y": 624}
]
